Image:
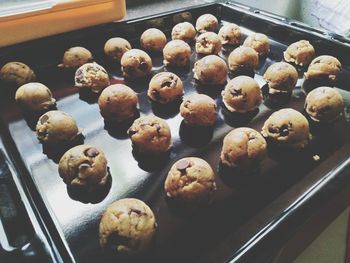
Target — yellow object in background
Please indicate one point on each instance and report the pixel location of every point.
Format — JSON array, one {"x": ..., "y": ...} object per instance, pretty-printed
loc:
[{"x": 61, "y": 16}]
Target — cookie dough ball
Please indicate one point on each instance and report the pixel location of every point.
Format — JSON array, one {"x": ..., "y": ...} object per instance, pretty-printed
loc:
[
  {"x": 198, "y": 110},
  {"x": 259, "y": 42},
  {"x": 177, "y": 53},
  {"x": 35, "y": 96},
  {"x": 324, "y": 67},
  {"x": 242, "y": 94},
  {"x": 136, "y": 64},
  {"x": 190, "y": 182},
  {"x": 127, "y": 226},
  {"x": 75, "y": 57},
  {"x": 150, "y": 134},
  {"x": 243, "y": 60},
  {"x": 208, "y": 43},
  {"x": 117, "y": 103},
  {"x": 301, "y": 53},
  {"x": 281, "y": 77},
  {"x": 230, "y": 34},
  {"x": 16, "y": 73},
  {"x": 210, "y": 70},
  {"x": 243, "y": 148},
  {"x": 91, "y": 76},
  {"x": 287, "y": 128},
  {"x": 116, "y": 47},
  {"x": 207, "y": 22},
  {"x": 55, "y": 127},
  {"x": 153, "y": 40},
  {"x": 84, "y": 167},
  {"x": 324, "y": 104},
  {"x": 165, "y": 87},
  {"x": 184, "y": 31}
]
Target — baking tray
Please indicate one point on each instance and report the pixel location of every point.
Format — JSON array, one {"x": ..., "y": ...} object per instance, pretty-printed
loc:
[{"x": 226, "y": 229}]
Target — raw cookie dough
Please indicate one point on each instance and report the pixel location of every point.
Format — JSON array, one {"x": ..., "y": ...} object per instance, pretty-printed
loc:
[
  {"x": 242, "y": 94},
  {"x": 75, "y": 57},
  {"x": 259, "y": 42},
  {"x": 127, "y": 226},
  {"x": 177, "y": 53},
  {"x": 153, "y": 40},
  {"x": 117, "y": 103},
  {"x": 198, "y": 110},
  {"x": 136, "y": 63},
  {"x": 208, "y": 43},
  {"x": 324, "y": 67},
  {"x": 207, "y": 22},
  {"x": 84, "y": 167},
  {"x": 243, "y": 60},
  {"x": 35, "y": 96},
  {"x": 165, "y": 87},
  {"x": 150, "y": 134},
  {"x": 230, "y": 34},
  {"x": 91, "y": 76},
  {"x": 55, "y": 127},
  {"x": 190, "y": 182},
  {"x": 243, "y": 148},
  {"x": 210, "y": 70},
  {"x": 287, "y": 128},
  {"x": 184, "y": 31},
  {"x": 116, "y": 47},
  {"x": 324, "y": 104},
  {"x": 16, "y": 73},
  {"x": 281, "y": 77},
  {"x": 301, "y": 53}
]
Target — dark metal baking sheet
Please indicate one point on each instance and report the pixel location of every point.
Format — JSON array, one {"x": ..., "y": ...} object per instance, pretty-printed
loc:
[{"x": 74, "y": 222}]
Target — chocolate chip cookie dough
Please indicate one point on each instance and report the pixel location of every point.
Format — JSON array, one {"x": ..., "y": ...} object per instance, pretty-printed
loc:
[
  {"x": 300, "y": 53},
  {"x": 84, "y": 167},
  {"x": 230, "y": 34},
  {"x": 183, "y": 31},
  {"x": 91, "y": 76},
  {"x": 150, "y": 134},
  {"x": 259, "y": 42},
  {"x": 117, "y": 103},
  {"x": 281, "y": 77},
  {"x": 177, "y": 53},
  {"x": 210, "y": 70},
  {"x": 243, "y": 148},
  {"x": 287, "y": 128},
  {"x": 190, "y": 182},
  {"x": 127, "y": 226},
  {"x": 153, "y": 40},
  {"x": 136, "y": 63},
  {"x": 324, "y": 104},
  {"x": 243, "y": 60},
  {"x": 207, "y": 22},
  {"x": 198, "y": 110},
  {"x": 17, "y": 74},
  {"x": 208, "y": 43},
  {"x": 75, "y": 57},
  {"x": 324, "y": 67},
  {"x": 35, "y": 97},
  {"x": 55, "y": 127},
  {"x": 165, "y": 87},
  {"x": 116, "y": 47},
  {"x": 242, "y": 94}
]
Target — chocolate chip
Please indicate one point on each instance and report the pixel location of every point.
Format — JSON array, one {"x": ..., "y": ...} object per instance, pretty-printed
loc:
[
  {"x": 166, "y": 83},
  {"x": 236, "y": 92},
  {"x": 131, "y": 132},
  {"x": 79, "y": 76},
  {"x": 143, "y": 66},
  {"x": 182, "y": 165},
  {"x": 158, "y": 127},
  {"x": 273, "y": 129},
  {"x": 92, "y": 152},
  {"x": 284, "y": 130},
  {"x": 44, "y": 119},
  {"x": 136, "y": 211}
]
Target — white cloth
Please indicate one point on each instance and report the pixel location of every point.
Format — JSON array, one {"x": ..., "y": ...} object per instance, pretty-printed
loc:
[{"x": 333, "y": 15}]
